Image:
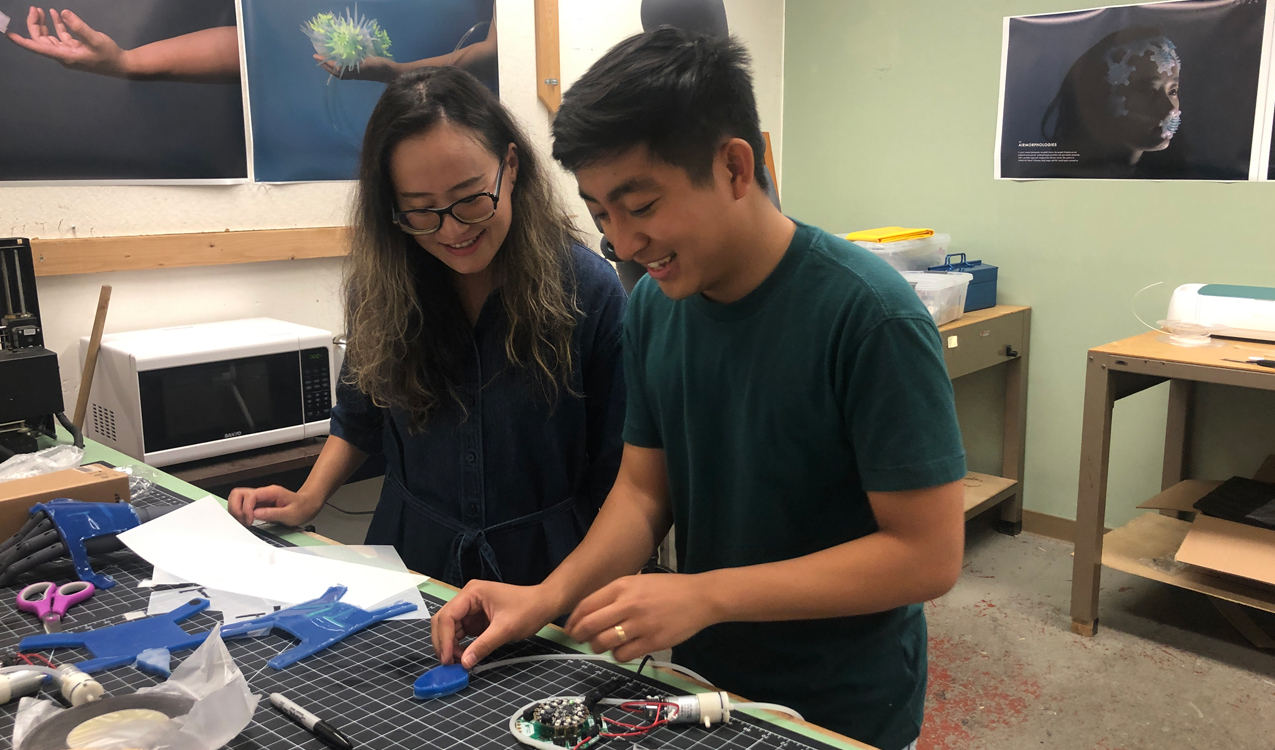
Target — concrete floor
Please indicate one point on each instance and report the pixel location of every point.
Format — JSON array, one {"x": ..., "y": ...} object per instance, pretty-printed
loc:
[{"x": 1165, "y": 670}]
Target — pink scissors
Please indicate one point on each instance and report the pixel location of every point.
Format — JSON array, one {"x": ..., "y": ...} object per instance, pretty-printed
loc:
[{"x": 50, "y": 602}]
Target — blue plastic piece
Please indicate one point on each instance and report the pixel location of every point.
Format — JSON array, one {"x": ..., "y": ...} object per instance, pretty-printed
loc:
[
  {"x": 77, "y": 521},
  {"x": 156, "y": 661},
  {"x": 319, "y": 623},
  {"x": 445, "y": 679},
  {"x": 119, "y": 645}
]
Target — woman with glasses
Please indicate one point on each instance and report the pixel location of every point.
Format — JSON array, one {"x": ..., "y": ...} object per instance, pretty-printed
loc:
[{"x": 483, "y": 355}]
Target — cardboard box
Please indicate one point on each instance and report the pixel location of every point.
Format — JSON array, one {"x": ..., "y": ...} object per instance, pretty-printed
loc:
[
  {"x": 92, "y": 483},
  {"x": 1215, "y": 544}
]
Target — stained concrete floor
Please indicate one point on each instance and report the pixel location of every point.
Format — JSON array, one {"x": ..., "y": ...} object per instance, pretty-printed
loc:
[{"x": 1165, "y": 670}]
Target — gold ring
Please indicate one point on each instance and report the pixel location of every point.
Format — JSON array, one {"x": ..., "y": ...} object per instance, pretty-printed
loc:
[{"x": 619, "y": 630}]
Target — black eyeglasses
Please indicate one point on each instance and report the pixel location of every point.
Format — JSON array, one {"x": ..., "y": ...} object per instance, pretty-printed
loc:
[{"x": 472, "y": 209}]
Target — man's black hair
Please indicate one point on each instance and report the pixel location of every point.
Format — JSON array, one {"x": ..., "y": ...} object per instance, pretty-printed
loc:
[{"x": 681, "y": 95}]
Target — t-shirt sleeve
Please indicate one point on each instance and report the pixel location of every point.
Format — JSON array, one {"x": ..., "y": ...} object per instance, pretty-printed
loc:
[
  {"x": 899, "y": 408},
  {"x": 356, "y": 419},
  {"x": 640, "y": 426}
]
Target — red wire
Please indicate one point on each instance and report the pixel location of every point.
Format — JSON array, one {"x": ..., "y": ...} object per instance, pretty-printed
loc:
[
  {"x": 46, "y": 661},
  {"x": 635, "y": 730}
]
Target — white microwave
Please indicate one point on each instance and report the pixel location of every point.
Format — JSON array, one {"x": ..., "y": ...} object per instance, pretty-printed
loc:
[{"x": 169, "y": 395}]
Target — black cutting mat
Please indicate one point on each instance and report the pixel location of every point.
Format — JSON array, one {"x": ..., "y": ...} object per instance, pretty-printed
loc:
[{"x": 363, "y": 685}]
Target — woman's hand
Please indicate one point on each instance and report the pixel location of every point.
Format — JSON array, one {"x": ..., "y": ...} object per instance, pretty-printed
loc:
[
  {"x": 381, "y": 69},
  {"x": 273, "y": 504},
  {"x": 76, "y": 45}
]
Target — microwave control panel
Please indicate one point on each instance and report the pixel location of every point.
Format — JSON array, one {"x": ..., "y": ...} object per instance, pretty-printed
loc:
[{"x": 316, "y": 384}]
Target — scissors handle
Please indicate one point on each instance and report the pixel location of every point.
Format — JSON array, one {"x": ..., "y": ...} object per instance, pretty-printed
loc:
[
  {"x": 48, "y": 601},
  {"x": 69, "y": 594},
  {"x": 37, "y": 598}
]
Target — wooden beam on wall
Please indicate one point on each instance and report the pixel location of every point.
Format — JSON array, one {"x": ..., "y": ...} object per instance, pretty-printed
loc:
[
  {"x": 548, "y": 59},
  {"x": 62, "y": 257}
]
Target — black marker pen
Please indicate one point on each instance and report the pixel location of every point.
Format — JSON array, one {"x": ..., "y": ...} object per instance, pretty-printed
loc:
[{"x": 313, "y": 724}]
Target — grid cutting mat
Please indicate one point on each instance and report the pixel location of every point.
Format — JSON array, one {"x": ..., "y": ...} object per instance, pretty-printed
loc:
[{"x": 363, "y": 685}]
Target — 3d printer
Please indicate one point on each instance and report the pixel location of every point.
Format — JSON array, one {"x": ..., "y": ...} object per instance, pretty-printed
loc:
[{"x": 30, "y": 384}]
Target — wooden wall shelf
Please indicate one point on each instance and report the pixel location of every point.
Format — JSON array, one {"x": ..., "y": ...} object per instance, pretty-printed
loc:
[{"x": 62, "y": 257}]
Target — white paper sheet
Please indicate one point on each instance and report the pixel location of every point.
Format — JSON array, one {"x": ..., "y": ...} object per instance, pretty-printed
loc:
[
  {"x": 4, "y": 23},
  {"x": 203, "y": 544},
  {"x": 235, "y": 607}
]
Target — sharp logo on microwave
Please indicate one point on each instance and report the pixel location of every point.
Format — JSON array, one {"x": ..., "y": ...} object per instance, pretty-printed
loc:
[{"x": 236, "y": 433}]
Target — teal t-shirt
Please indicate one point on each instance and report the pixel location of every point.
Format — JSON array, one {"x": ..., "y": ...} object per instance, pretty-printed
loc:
[{"x": 776, "y": 414}]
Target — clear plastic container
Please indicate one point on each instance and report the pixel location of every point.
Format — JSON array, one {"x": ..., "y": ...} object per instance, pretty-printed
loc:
[
  {"x": 911, "y": 255},
  {"x": 942, "y": 292}
]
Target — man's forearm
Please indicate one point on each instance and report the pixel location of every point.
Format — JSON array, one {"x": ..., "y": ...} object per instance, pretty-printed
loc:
[
  {"x": 875, "y": 573},
  {"x": 627, "y": 530}
]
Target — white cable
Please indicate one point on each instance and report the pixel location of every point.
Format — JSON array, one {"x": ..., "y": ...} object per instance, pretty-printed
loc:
[
  {"x": 32, "y": 668},
  {"x": 770, "y": 707},
  {"x": 543, "y": 657},
  {"x": 524, "y": 739},
  {"x": 586, "y": 657},
  {"x": 1133, "y": 305},
  {"x": 682, "y": 670}
]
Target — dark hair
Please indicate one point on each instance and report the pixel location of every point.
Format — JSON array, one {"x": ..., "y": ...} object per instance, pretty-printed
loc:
[
  {"x": 681, "y": 95},
  {"x": 1086, "y": 80},
  {"x": 407, "y": 334}
]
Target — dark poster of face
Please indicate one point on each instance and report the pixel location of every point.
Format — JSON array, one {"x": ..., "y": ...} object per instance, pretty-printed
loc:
[
  {"x": 121, "y": 90},
  {"x": 1164, "y": 91}
]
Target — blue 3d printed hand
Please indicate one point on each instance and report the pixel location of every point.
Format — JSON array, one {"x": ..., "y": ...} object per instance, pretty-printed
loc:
[
  {"x": 117, "y": 645},
  {"x": 319, "y": 623},
  {"x": 70, "y": 528}
]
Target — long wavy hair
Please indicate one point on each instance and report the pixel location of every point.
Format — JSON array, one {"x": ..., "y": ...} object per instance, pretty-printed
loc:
[{"x": 407, "y": 334}]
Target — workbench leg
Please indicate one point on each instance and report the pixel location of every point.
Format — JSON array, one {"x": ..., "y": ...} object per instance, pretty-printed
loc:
[
  {"x": 1091, "y": 499},
  {"x": 1014, "y": 439},
  {"x": 1176, "y": 432}
]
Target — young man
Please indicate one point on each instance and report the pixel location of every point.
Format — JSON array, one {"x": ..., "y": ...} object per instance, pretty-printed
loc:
[{"x": 788, "y": 407}]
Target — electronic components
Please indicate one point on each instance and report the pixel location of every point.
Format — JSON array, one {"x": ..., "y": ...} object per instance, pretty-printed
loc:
[
  {"x": 557, "y": 722},
  {"x": 702, "y": 708},
  {"x": 32, "y": 392}
]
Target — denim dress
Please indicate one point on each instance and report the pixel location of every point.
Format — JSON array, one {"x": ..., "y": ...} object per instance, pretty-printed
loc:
[{"x": 504, "y": 488}]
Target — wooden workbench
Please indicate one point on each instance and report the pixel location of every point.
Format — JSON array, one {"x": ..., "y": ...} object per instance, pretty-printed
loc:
[
  {"x": 1122, "y": 369},
  {"x": 996, "y": 337}
]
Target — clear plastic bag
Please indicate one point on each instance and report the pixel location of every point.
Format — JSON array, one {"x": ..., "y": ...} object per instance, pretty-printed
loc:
[
  {"x": 47, "y": 461},
  {"x": 140, "y": 478},
  {"x": 223, "y": 707}
]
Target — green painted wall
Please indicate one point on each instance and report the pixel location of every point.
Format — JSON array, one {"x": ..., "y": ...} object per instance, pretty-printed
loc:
[{"x": 890, "y": 118}]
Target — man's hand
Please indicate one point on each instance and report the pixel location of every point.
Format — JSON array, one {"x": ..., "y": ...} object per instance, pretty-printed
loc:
[
  {"x": 655, "y": 612},
  {"x": 495, "y": 613},
  {"x": 273, "y": 504},
  {"x": 76, "y": 45},
  {"x": 381, "y": 69}
]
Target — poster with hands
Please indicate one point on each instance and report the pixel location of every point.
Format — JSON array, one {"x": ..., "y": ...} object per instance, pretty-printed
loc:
[{"x": 122, "y": 91}]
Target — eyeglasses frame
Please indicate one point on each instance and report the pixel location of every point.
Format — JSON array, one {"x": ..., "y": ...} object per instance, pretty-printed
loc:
[{"x": 399, "y": 217}]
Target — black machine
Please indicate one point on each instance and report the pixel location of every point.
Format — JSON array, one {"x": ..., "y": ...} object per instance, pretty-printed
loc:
[{"x": 30, "y": 384}]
